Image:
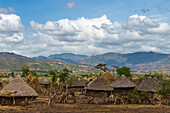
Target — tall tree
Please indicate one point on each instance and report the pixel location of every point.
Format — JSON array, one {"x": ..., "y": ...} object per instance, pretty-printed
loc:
[
  {"x": 33, "y": 73},
  {"x": 25, "y": 70},
  {"x": 124, "y": 71},
  {"x": 102, "y": 67},
  {"x": 53, "y": 75},
  {"x": 64, "y": 75},
  {"x": 164, "y": 91}
]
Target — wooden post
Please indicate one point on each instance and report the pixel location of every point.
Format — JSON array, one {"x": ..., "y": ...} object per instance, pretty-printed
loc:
[
  {"x": 115, "y": 99},
  {"x": 51, "y": 100},
  {"x": 13, "y": 101}
]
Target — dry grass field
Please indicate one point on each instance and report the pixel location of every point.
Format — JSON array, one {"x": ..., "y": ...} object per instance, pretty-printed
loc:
[{"x": 86, "y": 108}]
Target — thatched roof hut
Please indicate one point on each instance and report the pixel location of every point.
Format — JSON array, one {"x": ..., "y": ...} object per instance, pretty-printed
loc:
[
  {"x": 17, "y": 92},
  {"x": 44, "y": 81},
  {"x": 149, "y": 84},
  {"x": 19, "y": 86},
  {"x": 123, "y": 82},
  {"x": 74, "y": 84},
  {"x": 99, "y": 84},
  {"x": 123, "y": 85},
  {"x": 99, "y": 88}
]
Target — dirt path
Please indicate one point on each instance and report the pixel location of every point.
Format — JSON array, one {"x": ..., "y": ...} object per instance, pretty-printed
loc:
[{"x": 84, "y": 108}]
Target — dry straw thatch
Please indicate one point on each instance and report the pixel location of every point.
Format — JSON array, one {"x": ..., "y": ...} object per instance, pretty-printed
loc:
[
  {"x": 99, "y": 84},
  {"x": 19, "y": 88},
  {"x": 76, "y": 82},
  {"x": 44, "y": 81},
  {"x": 149, "y": 84},
  {"x": 123, "y": 82},
  {"x": 34, "y": 83}
]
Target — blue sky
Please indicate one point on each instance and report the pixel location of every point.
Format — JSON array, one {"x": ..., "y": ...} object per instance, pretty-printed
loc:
[
  {"x": 116, "y": 10},
  {"x": 34, "y": 18}
]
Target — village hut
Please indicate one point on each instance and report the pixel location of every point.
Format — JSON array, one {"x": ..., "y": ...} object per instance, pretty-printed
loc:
[
  {"x": 99, "y": 87},
  {"x": 44, "y": 82},
  {"x": 74, "y": 85},
  {"x": 17, "y": 92},
  {"x": 122, "y": 85},
  {"x": 149, "y": 84}
]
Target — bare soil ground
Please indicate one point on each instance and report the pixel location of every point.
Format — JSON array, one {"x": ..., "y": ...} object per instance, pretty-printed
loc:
[{"x": 86, "y": 108}]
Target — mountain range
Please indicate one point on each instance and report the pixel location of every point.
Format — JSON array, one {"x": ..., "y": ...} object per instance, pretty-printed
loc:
[
  {"x": 130, "y": 59},
  {"x": 137, "y": 60}
]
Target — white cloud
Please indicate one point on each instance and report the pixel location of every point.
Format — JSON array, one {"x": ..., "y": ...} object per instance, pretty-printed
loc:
[
  {"x": 10, "y": 31},
  {"x": 84, "y": 36},
  {"x": 100, "y": 35},
  {"x": 69, "y": 5}
]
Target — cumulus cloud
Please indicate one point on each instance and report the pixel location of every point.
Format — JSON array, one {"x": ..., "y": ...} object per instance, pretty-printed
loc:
[
  {"x": 10, "y": 31},
  {"x": 69, "y": 5},
  {"x": 84, "y": 36},
  {"x": 8, "y": 10},
  {"x": 100, "y": 35}
]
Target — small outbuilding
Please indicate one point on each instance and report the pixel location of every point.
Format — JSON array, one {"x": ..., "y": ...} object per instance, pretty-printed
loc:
[
  {"x": 149, "y": 84},
  {"x": 17, "y": 92},
  {"x": 122, "y": 85},
  {"x": 74, "y": 85},
  {"x": 44, "y": 82},
  {"x": 99, "y": 87}
]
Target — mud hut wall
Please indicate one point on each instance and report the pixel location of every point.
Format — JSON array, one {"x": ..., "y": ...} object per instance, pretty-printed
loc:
[
  {"x": 18, "y": 100},
  {"x": 94, "y": 93},
  {"x": 46, "y": 86},
  {"x": 74, "y": 89},
  {"x": 122, "y": 90}
]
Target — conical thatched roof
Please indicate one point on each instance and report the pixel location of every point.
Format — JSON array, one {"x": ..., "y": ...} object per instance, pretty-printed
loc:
[
  {"x": 123, "y": 82},
  {"x": 100, "y": 84},
  {"x": 75, "y": 82},
  {"x": 149, "y": 84},
  {"x": 44, "y": 81},
  {"x": 20, "y": 88}
]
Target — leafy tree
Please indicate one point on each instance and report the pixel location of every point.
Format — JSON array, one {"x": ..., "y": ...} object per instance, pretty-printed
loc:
[
  {"x": 69, "y": 81},
  {"x": 64, "y": 75},
  {"x": 12, "y": 74},
  {"x": 25, "y": 70},
  {"x": 124, "y": 71},
  {"x": 45, "y": 74},
  {"x": 102, "y": 67},
  {"x": 157, "y": 75},
  {"x": 34, "y": 73},
  {"x": 165, "y": 89},
  {"x": 53, "y": 75},
  {"x": 108, "y": 77}
]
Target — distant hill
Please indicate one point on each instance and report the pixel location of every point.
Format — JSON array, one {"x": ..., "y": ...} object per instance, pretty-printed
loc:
[
  {"x": 107, "y": 58},
  {"x": 45, "y": 66},
  {"x": 143, "y": 57},
  {"x": 70, "y": 56},
  {"x": 5, "y": 56},
  {"x": 124, "y": 59},
  {"x": 161, "y": 64},
  {"x": 138, "y": 60}
]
